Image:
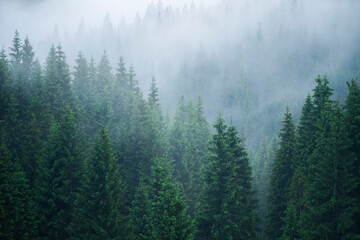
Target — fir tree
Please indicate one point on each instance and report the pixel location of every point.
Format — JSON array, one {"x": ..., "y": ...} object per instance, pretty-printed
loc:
[
  {"x": 15, "y": 54},
  {"x": 352, "y": 121},
  {"x": 4, "y": 85},
  {"x": 168, "y": 216},
  {"x": 58, "y": 177},
  {"x": 17, "y": 218},
  {"x": 227, "y": 208},
  {"x": 27, "y": 61},
  {"x": 100, "y": 206},
  {"x": 330, "y": 207},
  {"x": 140, "y": 213},
  {"x": 281, "y": 175}
]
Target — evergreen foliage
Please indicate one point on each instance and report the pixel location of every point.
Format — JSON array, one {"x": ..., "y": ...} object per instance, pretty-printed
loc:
[
  {"x": 100, "y": 205},
  {"x": 227, "y": 209},
  {"x": 17, "y": 210},
  {"x": 352, "y": 121},
  {"x": 168, "y": 218},
  {"x": 155, "y": 177},
  {"x": 281, "y": 175}
]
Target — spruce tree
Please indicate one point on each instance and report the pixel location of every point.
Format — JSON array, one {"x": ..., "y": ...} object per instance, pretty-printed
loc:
[
  {"x": 329, "y": 204},
  {"x": 27, "y": 61},
  {"x": 100, "y": 206},
  {"x": 58, "y": 92},
  {"x": 168, "y": 218},
  {"x": 226, "y": 211},
  {"x": 188, "y": 141},
  {"x": 281, "y": 175},
  {"x": 17, "y": 218},
  {"x": 140, "y": 213},
  {"x": 4, "y": 85},
  {"x": 293, "y": 220},
  {"x": 58, "y": 177},
  {"x": 352, "y": 121},
  {"x": 15, "y": 55}
]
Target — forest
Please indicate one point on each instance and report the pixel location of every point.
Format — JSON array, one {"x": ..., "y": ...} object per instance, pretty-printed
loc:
[{"x": 132, "y": 138}]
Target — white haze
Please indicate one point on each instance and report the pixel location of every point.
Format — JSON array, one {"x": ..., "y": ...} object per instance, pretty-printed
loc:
[{"x": 246, "y": 58}]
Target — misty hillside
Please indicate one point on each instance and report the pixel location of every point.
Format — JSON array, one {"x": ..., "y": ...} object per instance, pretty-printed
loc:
[{"x": 219, "y": 119}]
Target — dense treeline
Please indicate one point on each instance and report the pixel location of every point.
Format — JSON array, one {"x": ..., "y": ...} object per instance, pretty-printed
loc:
[
  {"x": 84, "y": 155},
  {"x": 315, "y": 179}
]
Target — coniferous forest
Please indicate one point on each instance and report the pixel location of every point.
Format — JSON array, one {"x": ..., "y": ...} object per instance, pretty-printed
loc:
[{"x": 88, "y": 152}]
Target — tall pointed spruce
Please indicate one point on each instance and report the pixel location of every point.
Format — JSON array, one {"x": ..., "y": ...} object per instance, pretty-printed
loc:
[
  {"x": 226, "y": 211},
  {"x": 281, "y": 175},
  {"x": 168, "y": 218},
  {"x": 101, "y": 212}
]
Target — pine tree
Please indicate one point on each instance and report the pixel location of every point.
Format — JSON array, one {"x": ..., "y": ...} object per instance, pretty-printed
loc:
[
  {"x": 241, "y": 204},
  {"x": 17, "y": 218},
  {"x": 39, "y": 121},
  {"x": 352, "y": 120},
  {"x": 27, "y": 61},
  {"x": 262, "y": 172},
  {"x": 227, "y": 208},
  {"x": 293, "y": 220},
  {"x": 155, "y": 124},
  {"x": 58, "y": 177},
  {"x": 168, "y": 216},
  {"x": 58, "y": 83},
  {"x": 81, "y": 79},
  {"x": 121, "y": 98},
  {"x": 4, "y": 85},
  {"x": 330, "y": 207},
  {"x": 140, "y": 213},
  {"x": 154, "y": 95},
  {"x": 104, "y": 78},
  {"x": 188, "y": 147},
  {"x": 100, "y": 206},
  {"x": 15, "y": 55},
  {"x": 280, "y": 179},
  {"x": 102, "y": 86}
]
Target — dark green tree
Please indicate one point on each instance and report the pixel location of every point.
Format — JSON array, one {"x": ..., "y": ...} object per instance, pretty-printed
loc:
[
  {"x": 140, "y": 213},
  {"x": 58, "y": 177},
  {"x": 329, "y": 204},
  {"x": 168, "y": 218},
  {"x": 4, "y": 85},
  {"x": 352, "y": 120},
  {"x": 58, "y": 83},
  {"x": 281, "y": 175},
  {"x": 100, "y": 206},
  {"x": 226, "y": 211},
  {"x": 293, "y": 220},
  {"x": 15, "y": 55},
  {"x": 27, "y": 62},
  {"x": 17, "y": 210},
  {"x": 188, "y": 140}
]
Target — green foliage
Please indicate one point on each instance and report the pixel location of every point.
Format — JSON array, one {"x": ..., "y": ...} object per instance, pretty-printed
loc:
[
  {"x": 262, "y": 167},
  {"x": 352, "y": 121},
  {"x": 58, "y": 177},
  {"x": 168, "y": 218},
  {"x": 281, "y": 175},
  {"x": 188, "y": 139},
  {"x": 151, "y": 177},
  {"x": 4, "y": 85},
  {"x": 100, "y": 206},
  {"x": 329, "y": 206},
  {"x": 17, "y": 210},
  {"x": 141, "y": 213},
  {"x": 227, "y": 209}
]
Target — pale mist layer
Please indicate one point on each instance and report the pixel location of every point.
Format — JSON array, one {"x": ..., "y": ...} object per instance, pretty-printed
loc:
[{"x": 247, "y": 59}]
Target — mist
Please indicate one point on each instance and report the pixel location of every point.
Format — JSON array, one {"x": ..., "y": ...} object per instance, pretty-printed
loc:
[
  {"x": 246, "y": 59},
  {"x": 179, "y": 119}
]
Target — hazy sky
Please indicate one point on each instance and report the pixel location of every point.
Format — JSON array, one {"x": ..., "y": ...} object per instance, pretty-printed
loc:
[{"x": 37, "y": 18}]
